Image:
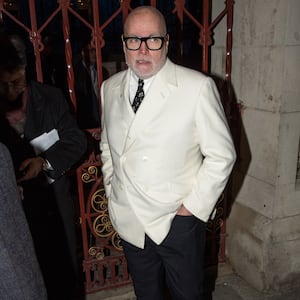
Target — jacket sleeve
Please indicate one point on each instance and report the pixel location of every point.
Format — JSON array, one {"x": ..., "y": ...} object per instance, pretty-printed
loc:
[
  {"x": 107, "y": 166},
  {"x": 218, "y": 152},
  {"x": 72, "y": 143}
]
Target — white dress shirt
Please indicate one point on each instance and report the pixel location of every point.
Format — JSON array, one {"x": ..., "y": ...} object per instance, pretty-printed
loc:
[{"x": 133, "y": 85}]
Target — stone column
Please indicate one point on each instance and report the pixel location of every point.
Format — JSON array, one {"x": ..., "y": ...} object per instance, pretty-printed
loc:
[{"x": 263, "y": 243}]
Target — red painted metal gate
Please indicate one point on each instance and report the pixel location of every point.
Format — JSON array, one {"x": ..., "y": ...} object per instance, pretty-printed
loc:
[{"x": 191, "y": 28}]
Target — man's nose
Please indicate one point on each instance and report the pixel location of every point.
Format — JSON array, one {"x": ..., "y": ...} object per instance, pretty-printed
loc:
[{"x": 144, "y": 47}]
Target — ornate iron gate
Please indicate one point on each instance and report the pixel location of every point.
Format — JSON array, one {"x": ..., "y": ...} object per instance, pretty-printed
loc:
[{"x": 190, "y": 23}]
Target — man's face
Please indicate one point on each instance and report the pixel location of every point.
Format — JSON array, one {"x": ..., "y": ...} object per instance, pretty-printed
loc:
[
  {"x": 144, "y": 62},
  {"x": 12, "y": 85}
]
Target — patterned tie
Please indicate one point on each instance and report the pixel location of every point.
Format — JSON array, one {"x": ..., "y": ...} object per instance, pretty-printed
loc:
[{"x": 139, "y": 96}]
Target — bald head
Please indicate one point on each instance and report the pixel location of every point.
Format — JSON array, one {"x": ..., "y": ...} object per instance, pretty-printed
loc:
[{"x": 143, "y": 12}]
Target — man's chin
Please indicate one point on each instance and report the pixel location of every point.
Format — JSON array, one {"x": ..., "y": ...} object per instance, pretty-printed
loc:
[
  {"x": 143, "y": 74},
  {"x": 144, "y": 71}
]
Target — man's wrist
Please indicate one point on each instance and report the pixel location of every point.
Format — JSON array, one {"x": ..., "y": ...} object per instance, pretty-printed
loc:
[{"x": 45, "y": 165}]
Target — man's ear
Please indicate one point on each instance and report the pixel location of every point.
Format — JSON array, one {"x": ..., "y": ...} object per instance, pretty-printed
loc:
[
  {"x": 122, "y": 38},
  {"x": 123, "y": 43},
  {"x": 167, "y": 41}
]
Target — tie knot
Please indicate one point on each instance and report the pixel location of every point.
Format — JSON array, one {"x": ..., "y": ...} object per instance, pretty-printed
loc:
[{"x": 140, "y": 83}]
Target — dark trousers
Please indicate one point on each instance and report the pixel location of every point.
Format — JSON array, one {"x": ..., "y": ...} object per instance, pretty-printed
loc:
[{"x": 176, "y": 263}]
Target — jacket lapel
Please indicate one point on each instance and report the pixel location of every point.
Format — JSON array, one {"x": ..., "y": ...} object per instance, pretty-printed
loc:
[
  {"x": 153, "y": 103},
  {"x": 123, "y": 96}
]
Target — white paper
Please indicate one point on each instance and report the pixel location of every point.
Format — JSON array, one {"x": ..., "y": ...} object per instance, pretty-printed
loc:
[{"x": 44, "y": 141}]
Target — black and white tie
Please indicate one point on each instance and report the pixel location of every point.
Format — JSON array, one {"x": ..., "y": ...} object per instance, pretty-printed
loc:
[{"x": 139, "y": 96}]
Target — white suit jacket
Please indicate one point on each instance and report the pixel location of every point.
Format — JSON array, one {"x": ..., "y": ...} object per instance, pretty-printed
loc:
[{"x": 177, "y": 149}]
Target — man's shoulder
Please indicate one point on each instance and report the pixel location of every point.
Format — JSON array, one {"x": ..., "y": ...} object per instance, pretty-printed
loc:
[
  {"x": 188, "y": 71},
  {"x": 42, "y": 95},
  {"x": 184, "y": 73},
  {"x": 116, "y": 78},
  {"x": 43, "y": 87}
]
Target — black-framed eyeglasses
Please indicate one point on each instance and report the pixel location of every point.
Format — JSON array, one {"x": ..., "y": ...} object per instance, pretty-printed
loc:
[{"x": 153, "y": 43}]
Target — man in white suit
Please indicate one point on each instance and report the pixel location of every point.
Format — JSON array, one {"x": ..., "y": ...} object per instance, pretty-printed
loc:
[{"x": 165, "y": 165}]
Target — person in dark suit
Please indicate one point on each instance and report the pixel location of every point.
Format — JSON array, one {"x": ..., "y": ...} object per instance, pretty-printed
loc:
[
  {"x": 87, "y": 92},
  {"x": 45, "y": 142},
  {"x": 20, "y": 274},
  {"x": 86, "y": 88}
]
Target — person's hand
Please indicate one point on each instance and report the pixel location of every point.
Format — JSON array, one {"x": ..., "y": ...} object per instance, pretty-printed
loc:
[
  {"x": 182, "y": 211},
  {"x": 96, "y": 135},
  {"x": 30, "y": 168},
  {"x": 21, "y": 192}
]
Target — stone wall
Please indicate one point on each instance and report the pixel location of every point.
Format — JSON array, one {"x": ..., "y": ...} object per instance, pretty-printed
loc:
[{"x": 263, "y": 243}]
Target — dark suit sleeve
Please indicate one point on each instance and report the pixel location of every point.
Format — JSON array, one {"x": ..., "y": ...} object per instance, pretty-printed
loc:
[{"x": 72, "y": 141}]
